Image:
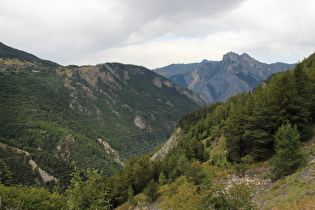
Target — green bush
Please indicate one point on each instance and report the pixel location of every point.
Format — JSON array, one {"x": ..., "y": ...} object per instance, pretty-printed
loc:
[{"x": 22, "y": 197}]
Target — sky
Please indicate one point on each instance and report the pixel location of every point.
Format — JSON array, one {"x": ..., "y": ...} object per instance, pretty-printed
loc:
[{"x": 156, "y": 33}]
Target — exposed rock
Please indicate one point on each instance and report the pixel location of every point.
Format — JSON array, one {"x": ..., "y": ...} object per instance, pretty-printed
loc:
[
  {"x": 217, "y": 81},
  {"x": 109, "y": 150},
  {"x": 44, "y": 175},
  {"x": 168, "y": 83},
  {"x": 140, "y": 122},
  {"x": 172, "y": 142},
  {"x": 126, "y": 75},
  {"x": 157, "y": 82},
  {"x": 190, "y": 95},
  {"x": 169, "y": 103}
]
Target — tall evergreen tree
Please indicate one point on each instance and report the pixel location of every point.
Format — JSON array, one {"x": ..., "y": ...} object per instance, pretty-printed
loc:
[
  {"x": 131, "y": 198},
  {"x": 302, "y": 86},
  {"x": 288, "y": 155},
  {"x": 257, "y": 128},
  {"x": 234, "y": 129},
  {"x": 151, "y": 191},
  {"x": 282, "y": 101}
]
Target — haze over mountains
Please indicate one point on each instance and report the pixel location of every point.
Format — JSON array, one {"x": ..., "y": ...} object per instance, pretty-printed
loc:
[{"x": 218, "y": 80}]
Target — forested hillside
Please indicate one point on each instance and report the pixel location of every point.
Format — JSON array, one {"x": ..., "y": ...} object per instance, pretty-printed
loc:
[
  {"x": 96, "y": 116},
  {"x": 223, "y": 136},
  {"x": 227, "y": 155}
]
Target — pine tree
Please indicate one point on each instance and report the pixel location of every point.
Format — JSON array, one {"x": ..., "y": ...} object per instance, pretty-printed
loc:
[
  {"x": 131, "y": 198},
  {"x": 234, "y": 131},
  {"x": 302, "y": 86},
  {"x": 151, "y": 191},
  {"x": 162, "y": 179},
  {"x": 257, "y": 128},
  {"x": 288, "y": 155},
  {"x": 183, "y": 165}
]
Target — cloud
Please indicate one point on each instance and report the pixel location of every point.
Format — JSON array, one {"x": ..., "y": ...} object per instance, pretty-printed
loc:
[{"x": 157, "y": 33}]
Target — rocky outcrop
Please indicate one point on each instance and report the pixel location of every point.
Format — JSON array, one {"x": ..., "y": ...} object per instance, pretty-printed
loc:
[
  {"x": 172, "y": 142},
  {"x": 140, "y": 122},
  {"x": 109, "y": 150}
]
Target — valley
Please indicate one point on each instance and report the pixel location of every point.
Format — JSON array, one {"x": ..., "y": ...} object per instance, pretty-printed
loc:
[
  {"x": 96, "y": 116},
  {"x": 121, "y": 136}
]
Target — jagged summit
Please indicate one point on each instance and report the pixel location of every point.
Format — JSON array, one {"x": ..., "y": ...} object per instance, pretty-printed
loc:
[
  {"x": 218, "y": 80},
  {"x": 230, "y": 56}
]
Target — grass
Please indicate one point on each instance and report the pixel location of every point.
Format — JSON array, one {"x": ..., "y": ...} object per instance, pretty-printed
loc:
[
  {"x": 305, "y": 203},
  {"x": 296, "y": 191},
  {"x": 14, "y": 61},
  {"x": 290, "y": 189}
]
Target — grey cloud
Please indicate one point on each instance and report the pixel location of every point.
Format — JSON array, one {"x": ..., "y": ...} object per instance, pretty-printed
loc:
[
  {"x": 97, "y": 30},
  {"x": 89, "y": 26}
]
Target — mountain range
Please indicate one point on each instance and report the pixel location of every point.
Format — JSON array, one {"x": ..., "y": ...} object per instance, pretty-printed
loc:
[
  {"x": 218, "y": 80},
  {"x": 63, "y": 122},
  {"x": 96, "y": 116}
]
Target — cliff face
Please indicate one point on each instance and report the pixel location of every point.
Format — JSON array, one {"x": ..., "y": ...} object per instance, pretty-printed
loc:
[{"x": 217, "y": 81}]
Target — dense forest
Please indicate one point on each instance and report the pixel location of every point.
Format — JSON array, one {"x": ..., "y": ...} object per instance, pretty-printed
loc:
[{"x": 266, "y": 124}]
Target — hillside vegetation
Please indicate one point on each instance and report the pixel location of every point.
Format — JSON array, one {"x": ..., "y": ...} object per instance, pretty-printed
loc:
[
  {"x": 228, "y": 152},
  {"x": 88, "y": 116},
  {"x": 227, "y": 155}
]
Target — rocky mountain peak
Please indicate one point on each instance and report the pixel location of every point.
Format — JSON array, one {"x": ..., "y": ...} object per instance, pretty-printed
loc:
[
  {"x": 231, "y": 56},
  {"x": 245, "y": 55},
  {"x": 218, "y": 80}
]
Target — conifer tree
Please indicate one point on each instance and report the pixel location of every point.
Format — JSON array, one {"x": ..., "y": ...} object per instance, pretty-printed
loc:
[
  {"x": 131, "y": 198},
  {"x": 288, "y": 155},
  {"x": 234, "y": 133},
  {"x": 183, "y": 165},
  {"x": 302, "y": 86},
  {"x": 162, "y": 179},
  {"x": 257, "y": 128},
  {"x": 151, "y": 191}
]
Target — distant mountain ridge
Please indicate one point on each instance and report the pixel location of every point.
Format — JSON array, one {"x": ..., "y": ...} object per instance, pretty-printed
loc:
[{"x": 218, "y": 80}]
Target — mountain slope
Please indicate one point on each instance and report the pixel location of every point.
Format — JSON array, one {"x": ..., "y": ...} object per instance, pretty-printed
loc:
[
  {"x": 11, "y": 53},
  {"x": 217, "y": 81},
  {"x": 175, "y": 69},
  {"x": 226, "y": 149},
  {"x": 97, "y": 116}
]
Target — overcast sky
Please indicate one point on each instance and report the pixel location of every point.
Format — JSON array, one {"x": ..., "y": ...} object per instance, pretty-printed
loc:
[{"x": 155, "y": 33}]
